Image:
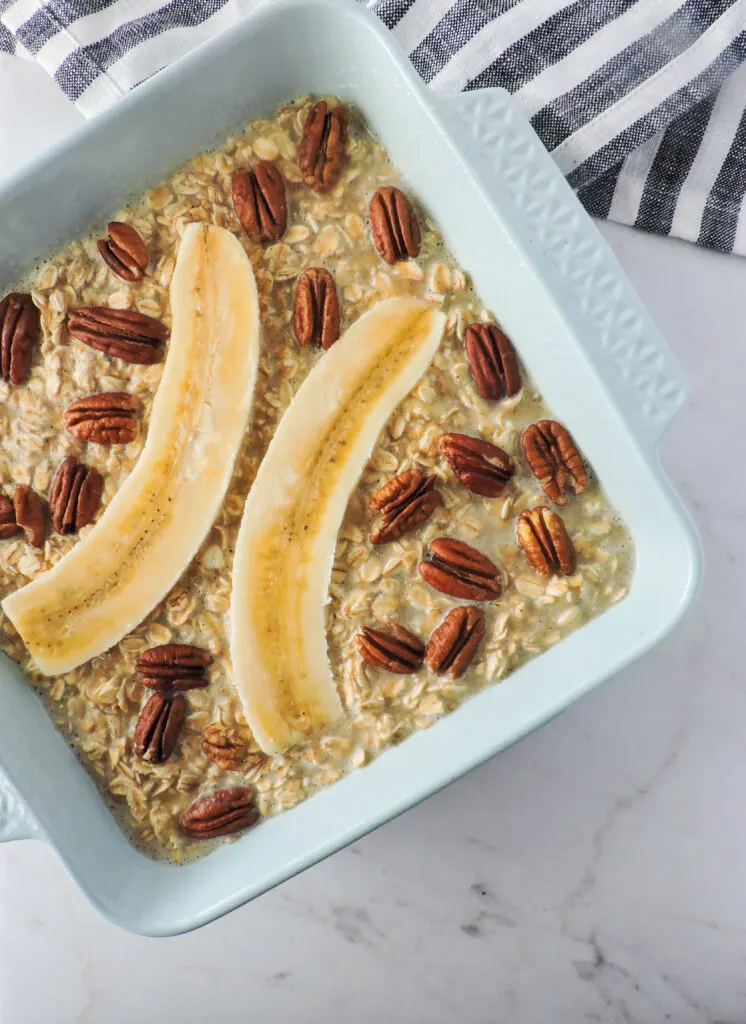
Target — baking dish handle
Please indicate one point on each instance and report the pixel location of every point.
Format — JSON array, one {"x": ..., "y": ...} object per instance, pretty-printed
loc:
[
  {"x": 15, "y": 820},
  {"x": 541, "y": 210}
]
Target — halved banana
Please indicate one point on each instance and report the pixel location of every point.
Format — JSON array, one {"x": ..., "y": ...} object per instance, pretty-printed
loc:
[
  {"x": 154, "y": 525},
  {"x": 288, "y": 534}
]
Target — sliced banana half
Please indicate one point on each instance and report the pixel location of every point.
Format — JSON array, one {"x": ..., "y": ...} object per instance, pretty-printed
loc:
[
  {"x": 156, "y": 522},
  {"x": 288, "y": 534}
]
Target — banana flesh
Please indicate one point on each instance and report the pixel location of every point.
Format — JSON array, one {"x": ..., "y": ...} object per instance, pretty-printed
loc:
[
  {"x": 285, "y": 547},
  {"x": 156, "y": 522}
]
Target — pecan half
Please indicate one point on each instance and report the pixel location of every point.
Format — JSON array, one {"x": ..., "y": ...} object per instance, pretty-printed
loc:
[
  {"x": 30, "y": 515},
  {"x": 120, "y": 333},
  {"x": 406, "y": 501},
  {"x": 74, "y": 495},
  {"x": 482, "y": 467},
  {"x": 106, "y": 418},
  {"x": 219, "y": 746},
  {"x": 220, "y": 814},
  {"x": 459, "y": 570},
  {"x": 174, "y": 667},
  {"x": 158, "y": 727},
  {"x": 322, "y": 149},
  {"x": 453, "y": 645},
  {"x": 316, "y": 309},
  {"x": 545, "y": 541},
  {"x": 554, "y": 459},
  {"x": 394, "y": 225},
  {"x": 259, "y": 201},
  {"x": 19, "y": 332},
  {"x": 123, "y": 251},
  {"x": 8, "y": 525},
  {"x": 492, "y": 361},
  {"x": 397, "y": 651}
]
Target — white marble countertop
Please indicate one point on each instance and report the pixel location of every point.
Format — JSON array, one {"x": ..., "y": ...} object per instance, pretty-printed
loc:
[{"x": 594, "y": 872}]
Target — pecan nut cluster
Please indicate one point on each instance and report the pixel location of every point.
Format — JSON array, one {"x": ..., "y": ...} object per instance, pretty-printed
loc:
[
  {"x": 172, "y": 667},
  {"x": 545, "y": 541},
  {"x": 322, "y": 152},
  {"x": 316, "y": 309},
  {"x": 221, "y": 813},
  {"x": 74, "y": 496},
  {"x": 167, "y": 669},
  {"x": 492, "y": 361},
  {"x": 482, "y": 467},
  {"x": 124, "y": 251},
  {"x": 158, "y": 727},
  {"x": 106, "y": 418},
  {"x": 119, "y": 333},
  {"x": 405, "y": 502},
  {"x": 396, "y": 650},
  {"x": 453, "y": 645},
  {"x": 259, "y": 201},
  {"x": 394, "y": 225},
  {"x": 223, "y": 749},
  {"x": 554, "y": 459},
  {"x": 459, "y": 570},
  {"x": 19, "y": 333}
]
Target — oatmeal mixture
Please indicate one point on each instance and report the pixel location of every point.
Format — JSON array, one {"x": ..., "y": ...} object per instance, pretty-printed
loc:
[{"x": 97, "y": 705}]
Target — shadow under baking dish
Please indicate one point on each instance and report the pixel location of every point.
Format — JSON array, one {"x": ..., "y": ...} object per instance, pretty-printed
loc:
[{"x": 535, "y": 259}]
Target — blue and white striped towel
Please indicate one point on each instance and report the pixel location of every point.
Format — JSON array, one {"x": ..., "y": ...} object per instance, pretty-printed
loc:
[{"x": 642, "y": 103}]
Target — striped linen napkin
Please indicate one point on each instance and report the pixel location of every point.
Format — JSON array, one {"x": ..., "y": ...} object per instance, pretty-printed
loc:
[{"x": 642, "y": 103}]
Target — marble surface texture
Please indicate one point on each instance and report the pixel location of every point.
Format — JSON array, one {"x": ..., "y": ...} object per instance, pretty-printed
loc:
[{"x": 592, "y": 873}]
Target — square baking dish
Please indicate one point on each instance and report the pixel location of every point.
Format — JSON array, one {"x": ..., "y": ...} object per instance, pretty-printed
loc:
[{"x": 540, "y": 266}]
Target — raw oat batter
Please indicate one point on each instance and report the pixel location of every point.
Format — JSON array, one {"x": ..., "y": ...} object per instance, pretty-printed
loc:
[{"x": 97, "y": 705}]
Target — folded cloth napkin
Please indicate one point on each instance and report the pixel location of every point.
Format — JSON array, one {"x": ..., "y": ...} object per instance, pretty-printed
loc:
[{"x": 642, "y": 103}]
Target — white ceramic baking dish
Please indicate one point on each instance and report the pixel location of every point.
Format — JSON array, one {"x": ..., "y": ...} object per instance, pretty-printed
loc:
[{"x": 539, "y": 264}]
